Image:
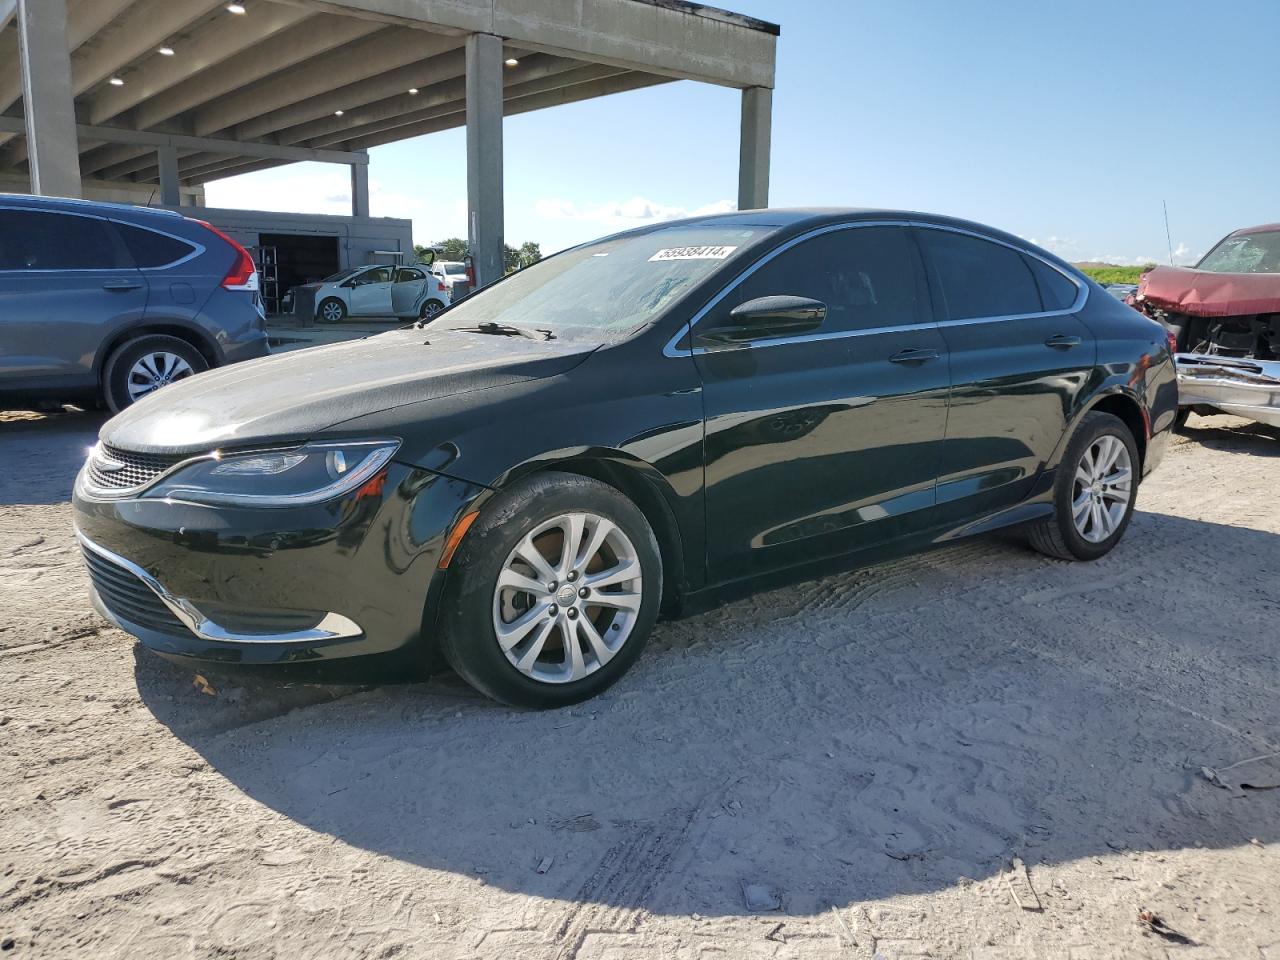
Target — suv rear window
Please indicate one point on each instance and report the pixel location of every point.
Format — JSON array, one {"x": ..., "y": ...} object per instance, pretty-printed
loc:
[
  {"x": 40, "y": 240},
  {"x": 151, "y": 249}
]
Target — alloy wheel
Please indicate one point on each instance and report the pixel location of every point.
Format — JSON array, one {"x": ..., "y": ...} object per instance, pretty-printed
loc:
[
  {"x": 567, "y": 597},
  {"x": 331, "y": 311},
  {"x": 1102, "y": 488},
  {"x": 155, "y": 370}
]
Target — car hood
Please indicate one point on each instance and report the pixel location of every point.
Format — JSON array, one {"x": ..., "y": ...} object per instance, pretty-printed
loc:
[
  {"x": 1202, "y": 294},
  {"x": 290, "y": 397}
]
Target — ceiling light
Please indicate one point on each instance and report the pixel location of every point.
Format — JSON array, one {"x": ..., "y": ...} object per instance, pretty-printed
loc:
[
  {"x": 512, "y": 62},
  {"x": 338, "y": 113},
  {"x": 116, "y": 82},
  {"x": 235, "y": 8},
  {"x": 414, "y": 91},
  {"x": 165, "y": 51}
]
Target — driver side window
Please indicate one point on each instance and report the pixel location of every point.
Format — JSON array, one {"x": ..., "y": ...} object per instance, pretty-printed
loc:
[
  {"x": 868, "y": 277},
  {"x": 381, "y": 275}
]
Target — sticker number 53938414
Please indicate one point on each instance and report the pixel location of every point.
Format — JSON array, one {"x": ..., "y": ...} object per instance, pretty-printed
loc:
[{"x": 693, "y": 253}]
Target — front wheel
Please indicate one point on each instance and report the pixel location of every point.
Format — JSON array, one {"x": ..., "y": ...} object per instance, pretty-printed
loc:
[
  {"x": 332, "y": 310},
  {"x": 553, "y": 593},
  {"x": 1094, "y": 493}
]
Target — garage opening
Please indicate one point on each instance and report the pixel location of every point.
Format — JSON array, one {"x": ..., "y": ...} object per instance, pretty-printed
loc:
[{"x": 296, "y": 260}]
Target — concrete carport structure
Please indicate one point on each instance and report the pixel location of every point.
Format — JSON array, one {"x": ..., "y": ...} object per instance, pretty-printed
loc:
[{"x": 95, "y": 93}]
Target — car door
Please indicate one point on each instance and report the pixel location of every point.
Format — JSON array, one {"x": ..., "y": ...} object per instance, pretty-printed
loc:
[
  {"x": 407, "y": 289},
  {"x": 66, "y": 281},
  {"x": 826, "y": 442},
  {"x": 1019, "y": 360},
  {"x": 371, "y": 293}
]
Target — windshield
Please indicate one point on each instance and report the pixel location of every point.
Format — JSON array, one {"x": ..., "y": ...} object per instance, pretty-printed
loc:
[
  {"x": 610, "y": 287},
  {"x": 1249, "y": 253},
  {"x": 339, "y": 276}
]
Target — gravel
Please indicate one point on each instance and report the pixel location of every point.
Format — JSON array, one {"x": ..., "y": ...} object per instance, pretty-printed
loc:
[{"x": 864, "y": 759}]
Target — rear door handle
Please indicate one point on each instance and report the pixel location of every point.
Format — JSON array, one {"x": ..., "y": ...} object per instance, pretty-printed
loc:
[
  {"x": 1062, "y": 342},
  {"x": 913, "y": 356},
  {"x": 121, "y": 286}
]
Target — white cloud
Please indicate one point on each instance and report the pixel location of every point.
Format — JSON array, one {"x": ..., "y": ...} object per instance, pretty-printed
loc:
[
  {"x": 1064, "y": 247},
  {"x": 626, "y": 213}
]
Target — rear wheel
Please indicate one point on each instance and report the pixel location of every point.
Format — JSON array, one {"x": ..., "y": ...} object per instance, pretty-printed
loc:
[
  {"x": 1094, "y": 493},
  {"x": 430, "y": 309},
  {"x": 142, "y": 366},
  {"x": 553, "y": 593}
]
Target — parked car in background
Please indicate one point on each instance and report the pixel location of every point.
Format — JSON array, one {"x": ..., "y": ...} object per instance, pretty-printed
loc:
[
  {"x": 106, "y": 302},
  {"x": 642, "y": 425},
  {"x": 1224, "y": 314},
  {"x": 410, "y": 292},
  {"x": 1121, "y": 291},
  {"x": 454, "y": 275}
]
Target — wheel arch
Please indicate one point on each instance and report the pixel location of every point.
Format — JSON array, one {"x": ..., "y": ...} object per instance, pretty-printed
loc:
[
  {"x": 1120, "y": 403},
  {"x": 642, "y": 484},
  {"x": 188, "y": 333}
]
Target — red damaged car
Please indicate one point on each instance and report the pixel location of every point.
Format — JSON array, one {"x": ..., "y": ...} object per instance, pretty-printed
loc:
[{"x": 1225, "y": 315}]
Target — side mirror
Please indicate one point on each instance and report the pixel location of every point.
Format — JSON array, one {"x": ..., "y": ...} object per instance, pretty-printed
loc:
[{"x": 769, "y": 317}]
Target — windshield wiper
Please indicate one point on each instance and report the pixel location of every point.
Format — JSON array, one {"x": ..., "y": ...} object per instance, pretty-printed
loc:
[{"x": 507, "y": 330}]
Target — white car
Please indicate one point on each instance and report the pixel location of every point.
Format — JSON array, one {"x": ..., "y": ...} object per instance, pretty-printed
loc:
[
  {"x": 454, "y": 275},
  {"x": 408, "y": 292}
]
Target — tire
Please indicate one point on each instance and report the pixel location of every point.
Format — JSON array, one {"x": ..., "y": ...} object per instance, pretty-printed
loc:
[
  {"x": 539, "y": 670},
  {"x": 157, "y": 358},
  {"x": 430, "y": 309},
  {"x": 331, "y": 310},
  {"x": 1059, "y": 535},
  {"x": 1180, "y": 421}
]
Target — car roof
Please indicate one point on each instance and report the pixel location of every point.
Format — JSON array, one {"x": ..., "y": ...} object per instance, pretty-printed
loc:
[
  {"x": 803, "y": 219},
  {"x": 1263, "y": 228},
  {"x": 69, "y": 205}
]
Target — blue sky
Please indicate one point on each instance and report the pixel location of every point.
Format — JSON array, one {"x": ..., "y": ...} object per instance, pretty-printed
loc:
[{"x": 1064, "y": 122}]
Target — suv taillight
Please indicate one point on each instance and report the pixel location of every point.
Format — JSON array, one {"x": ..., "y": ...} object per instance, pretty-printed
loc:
[{"x": 243, "y": 274}]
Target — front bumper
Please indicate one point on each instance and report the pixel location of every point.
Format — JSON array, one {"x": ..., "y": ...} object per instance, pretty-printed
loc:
[
  {"x": 354, "y": 576},
  {"x": 1245, "y": 388}
]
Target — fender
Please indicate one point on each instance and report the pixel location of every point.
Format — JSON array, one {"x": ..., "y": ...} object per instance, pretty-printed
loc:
[{"x": 1114, "y": 386}]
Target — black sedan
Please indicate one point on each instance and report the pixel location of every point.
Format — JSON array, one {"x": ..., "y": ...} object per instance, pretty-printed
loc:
[{"x": 634, "y": 428}]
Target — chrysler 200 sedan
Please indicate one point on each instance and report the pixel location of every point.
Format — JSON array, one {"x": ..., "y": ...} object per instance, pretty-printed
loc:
[{"x": 634, "y": 428}]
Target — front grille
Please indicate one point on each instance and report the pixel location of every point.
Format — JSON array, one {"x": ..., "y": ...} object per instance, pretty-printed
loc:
[
  {"x": 129, "y": 598},
  {"x": 135, "y": 468}
]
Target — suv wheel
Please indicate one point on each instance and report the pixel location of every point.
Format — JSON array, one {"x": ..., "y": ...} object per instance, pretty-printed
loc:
[
  {"x": 1094, "y": 493},
  {"x": 142, "y": 366},
  {"x": 553, "y": 593}
]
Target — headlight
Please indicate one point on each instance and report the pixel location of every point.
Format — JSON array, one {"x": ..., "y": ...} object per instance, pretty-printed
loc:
[{"x": 302, "y": 475}]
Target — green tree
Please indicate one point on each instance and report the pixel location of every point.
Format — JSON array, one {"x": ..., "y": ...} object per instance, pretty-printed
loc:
[
  {"x": 517, "y": 258},
  {"x": 530, "y": 252},
  {"x": 455, "y": 248}
]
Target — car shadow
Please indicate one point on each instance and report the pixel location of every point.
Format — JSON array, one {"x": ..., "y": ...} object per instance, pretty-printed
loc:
[
  {"x": 1234, "y": 435},
  {"x": 883, "y": 732},
  {"x": 50, "y": 448}
]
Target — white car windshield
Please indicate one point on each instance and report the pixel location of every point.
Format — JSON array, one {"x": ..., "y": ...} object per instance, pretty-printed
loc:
[{"x": 609, "y": 287}]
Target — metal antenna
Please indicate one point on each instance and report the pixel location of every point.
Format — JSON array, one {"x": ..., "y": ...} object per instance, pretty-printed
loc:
[{"x": 1167, "y": 236}]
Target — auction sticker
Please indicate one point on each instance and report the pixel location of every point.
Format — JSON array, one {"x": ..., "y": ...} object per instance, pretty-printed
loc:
[{"x": 693, "y": 253}]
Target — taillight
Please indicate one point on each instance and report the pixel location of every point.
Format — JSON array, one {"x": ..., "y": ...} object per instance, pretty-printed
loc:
[{"x": 243, "y": 275}]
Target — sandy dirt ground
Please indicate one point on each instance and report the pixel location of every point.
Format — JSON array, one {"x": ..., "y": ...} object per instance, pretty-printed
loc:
[{"x": 974, "y": 753}]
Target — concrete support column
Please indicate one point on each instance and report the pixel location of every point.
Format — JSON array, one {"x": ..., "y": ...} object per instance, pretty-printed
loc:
[
  {"x": 52, "y": 150},
  {"x": 168, "y": 159},
  {"x": 753, "y": 155},
  {"x": 484, "y": 155},
  {"x": 360, "y": 189}
]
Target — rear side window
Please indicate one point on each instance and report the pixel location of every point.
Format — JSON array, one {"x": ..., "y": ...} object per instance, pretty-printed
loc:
[
  {"x": 409, "y": 275},
  {"x": 151, "y": 249},
  {"x": 978, "y": 278},
  {"x": 867, "y": 277},
  {"x": 1057, "y": 292},
  {"x": 39, "y": 240}
]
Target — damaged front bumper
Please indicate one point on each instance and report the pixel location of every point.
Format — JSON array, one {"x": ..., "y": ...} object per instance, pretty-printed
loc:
[{"x": 1244, "y": 388}]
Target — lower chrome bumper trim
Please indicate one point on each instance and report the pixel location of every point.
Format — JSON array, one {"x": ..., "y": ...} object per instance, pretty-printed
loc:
[{"x": 333, "y": 626}]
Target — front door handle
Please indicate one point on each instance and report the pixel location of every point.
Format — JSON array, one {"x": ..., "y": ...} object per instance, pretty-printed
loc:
[
  {"x": 121, "y": 286},
  {"x": 913, "y": 356},
  {"x": 1062, "y": 342}
]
